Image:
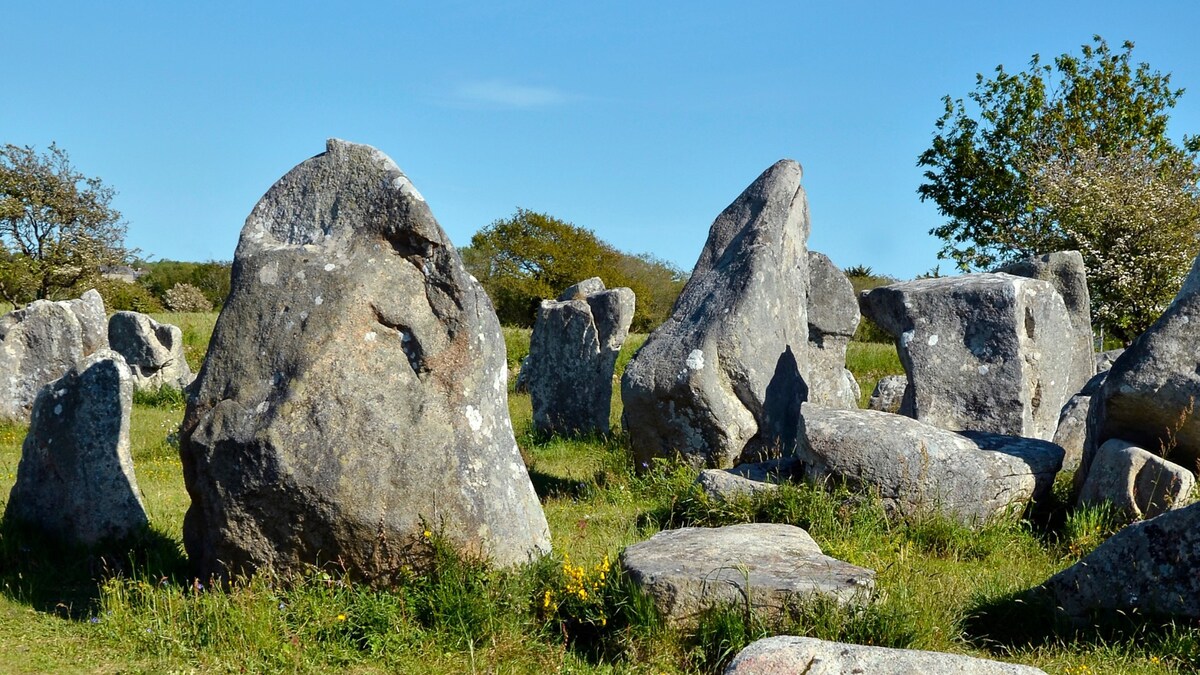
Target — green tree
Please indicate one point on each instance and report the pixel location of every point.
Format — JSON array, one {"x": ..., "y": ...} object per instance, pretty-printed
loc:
[
  {"x": 212, "y": 278},
  {"x": 57, "y": 226},
  {"x": 531, "y": 256},
  {"x": 988, "y": 167}
]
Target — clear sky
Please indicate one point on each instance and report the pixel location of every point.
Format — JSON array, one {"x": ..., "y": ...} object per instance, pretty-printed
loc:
[{"x": 638, "y": 120}]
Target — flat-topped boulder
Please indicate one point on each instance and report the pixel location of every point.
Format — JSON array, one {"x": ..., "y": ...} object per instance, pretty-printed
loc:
[
  {"x": 791, "y": 655},
  {"x": 153, "y": 350},
  {"x": 981, "y": 351},
  {"x": 721, "y": 373},
  {"x": 1138, "y": 483},
  {"x": 693, "y": 569},
  {"x": 1067, "y": 273},
  {"x": 75, "y": 482},
  {"x": 919, "y": 469},
  {"x": 355, "y": 389},
  {"x": 833, "y": 317},
  {"x": 39, "y": 343},
  {"x": 1150, "y": 568},
  {"x": 572, "y": 354}
]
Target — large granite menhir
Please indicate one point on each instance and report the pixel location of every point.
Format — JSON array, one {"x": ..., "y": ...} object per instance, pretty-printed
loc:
[
  {"x": 354, "y": 393},
  {"x": 721, "y": 374},
  {"x": 983, "y": 352},
  {"x": 572, "y": 353},
  {"x": 75, "y": 482}
]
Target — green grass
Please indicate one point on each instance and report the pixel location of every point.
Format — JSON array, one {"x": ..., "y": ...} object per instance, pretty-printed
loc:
[{"x": 940, "y": 586}]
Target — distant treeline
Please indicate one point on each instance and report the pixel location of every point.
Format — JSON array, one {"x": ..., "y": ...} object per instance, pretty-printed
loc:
[{"x": 167, "y": 285}]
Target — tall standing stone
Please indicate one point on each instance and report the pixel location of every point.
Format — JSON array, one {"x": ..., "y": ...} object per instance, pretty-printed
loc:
[
  {"x": 983, "y": 352},
  {"x": 572, "y": 353},
  {"x": 354, "y": 393},
  {"x": 1066, "y": 272},
  {"x": 721, "y": 373},
  {"x": 38, "y": 344},
  {"x": 75, "y": 481},
  {"x": 153, "y": 350},
  {"x": 833, "y": 316}
]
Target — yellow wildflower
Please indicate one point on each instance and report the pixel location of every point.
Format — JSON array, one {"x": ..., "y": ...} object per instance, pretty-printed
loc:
[{"x": 341, "y": 617}]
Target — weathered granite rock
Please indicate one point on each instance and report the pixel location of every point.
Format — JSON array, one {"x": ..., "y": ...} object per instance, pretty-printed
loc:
[
  {"x": 888, "y": 394},
  {"x": 1105, "y": 360},
  {"x": 93, "y": 322},
  {"x": 1138, "y": 483},
  {"x": 981, "y": 351},
  {"x": 917, "y": 468},
  {"x": 355, "y": 388},
  {"x": 572, "y": 353},
  {"x": 1151, "y": 567},
  {"x": 1149, "y": 397},
  {"x": 723, "y": 484},
  {"x": 689, "y": 570},
  {"x": 721, "y": 373},
  {"x": 1072, "y": 430},
  {"x": 153, "y": 350},
  {"x": 75, "y": 481},
  {"x": 832, "y": 319},
  {"x": 790, "y": 655},
  {"x": 38, "y": 344},
  {"x": 1067, "y": 273}
]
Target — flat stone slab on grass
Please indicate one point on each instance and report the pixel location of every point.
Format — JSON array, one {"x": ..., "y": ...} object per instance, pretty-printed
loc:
[
  {"x": 788, "y": 655},
  {"x": 689, "y": 570}
]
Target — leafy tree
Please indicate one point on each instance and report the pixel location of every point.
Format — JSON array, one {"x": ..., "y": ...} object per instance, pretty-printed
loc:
[
  {"x": 996, "y": 168},
  {"x": 57, "y": 227},
  {"x": 531, "y": 256}
]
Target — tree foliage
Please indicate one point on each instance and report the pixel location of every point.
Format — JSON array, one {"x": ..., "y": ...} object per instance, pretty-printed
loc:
[
  {"x": 212, "y": 278},
  {"x": 57, "y": 226},
  {"x": 1007, "y": 168},
  {"x": 532, "y": 256}
]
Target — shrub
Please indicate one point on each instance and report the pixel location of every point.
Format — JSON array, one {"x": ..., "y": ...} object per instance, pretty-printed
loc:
[
  {"x": 184, "y": 297},
  {"x": 120, "y": 296}
]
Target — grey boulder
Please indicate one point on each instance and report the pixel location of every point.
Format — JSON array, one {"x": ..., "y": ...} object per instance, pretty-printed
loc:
[
  {"x": 1149, "y": 568},
  {"x": 153, "y": 350},
  {"x": 1071, "y": 432},
  {"x": 888, "y": 394},
  {"x": 763, "y": 565},
  {"x": 832, "y": 319},
  {"x": 1138, "y": 483},
  {"x": 75, "y": 481},
  {"x": 1067, "y": 273},
  {"x": 981, "y": 351},
  {"x": 918, "y": 469},
  {"x": 790, "y": 655},
  {"x": 721, "y": 373},
  {"x": 724, "y": 485},
  {"x": 572, "y": 353},
  {"x": 39, "y": 343},
  {"x": 1105, "y": 360},
  {"x": 93, "y": 321},
  {"x": 354, "y": 394}
]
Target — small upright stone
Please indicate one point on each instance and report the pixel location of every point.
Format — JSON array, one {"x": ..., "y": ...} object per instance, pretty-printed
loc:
[
  {"x": 832, "y": 319},
  {"x": 983, "y": 352},
  {"x": 572, "y": 353},
  {"x": 75, "y": 480},
  {"x": 153, "y": 350},
  {"x": 721, "y": 374},
  {"x": 39, "y": 343},
  {"x": 355, "y": 393}
]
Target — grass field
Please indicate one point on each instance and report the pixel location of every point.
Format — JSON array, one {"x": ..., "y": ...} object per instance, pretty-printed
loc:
[{"x": 939, "y": 586}]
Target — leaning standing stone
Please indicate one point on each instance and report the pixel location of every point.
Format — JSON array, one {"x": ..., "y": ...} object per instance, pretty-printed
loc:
[
  {"x": 572, "y": 354},
  {"x": 38, "y": 344},
  {"x": 153, "y": 350},
  {"x": 981, "y": 351},
  {"x": 75, "y": 481},
  {"x": 722, "y": 372},
  {"x": 355, "y": 389}
]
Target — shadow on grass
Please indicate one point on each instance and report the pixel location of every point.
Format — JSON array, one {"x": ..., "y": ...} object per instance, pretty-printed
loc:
[
  {"x": 1031, "y": 620},
  {"x": 66, "y": 580}
]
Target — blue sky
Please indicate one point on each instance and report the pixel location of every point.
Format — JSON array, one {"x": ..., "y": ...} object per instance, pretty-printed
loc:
[{"x": 640, "y": 121}]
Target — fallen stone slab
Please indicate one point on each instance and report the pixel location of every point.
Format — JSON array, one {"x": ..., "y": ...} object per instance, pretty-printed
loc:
[
  {"x": 721, "y": 374},
  {"x": 981, "y": 351},
  {"x": 723, "y": 484},
  {"x": 355, "y": 389},
  {"x": 790, "y": 655},
  {"x": 1150, "y": 568},
  {"x": 75, "y": 482},
  {"x": 918, "y": 469},
  {"x": 690, "y": 570},
  {"x": 1138, "y": 483}
]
